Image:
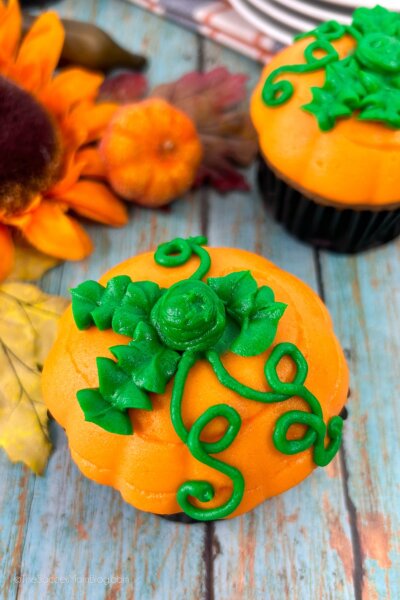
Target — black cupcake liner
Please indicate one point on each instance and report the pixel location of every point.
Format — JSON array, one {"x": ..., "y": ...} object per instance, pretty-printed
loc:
[
  {"x": 345, "y": 231},
  {"x": 180, "y": 518}
]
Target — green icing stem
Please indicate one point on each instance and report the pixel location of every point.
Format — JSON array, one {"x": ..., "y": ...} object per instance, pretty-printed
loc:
[
  {"x": 179, "y": 251},
  {"x": 317, "y": 430},
  {"x": 186, "y": 363},
  {"x": 276, "y": 93},
  {"x": 203, "y": 490},
  {"x": 313, "y": 437}
]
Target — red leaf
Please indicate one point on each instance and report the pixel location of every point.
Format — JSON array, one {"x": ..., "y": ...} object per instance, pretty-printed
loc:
[
  {"x": 226, "y": 180},
  {"x": 124, "y": 88}
]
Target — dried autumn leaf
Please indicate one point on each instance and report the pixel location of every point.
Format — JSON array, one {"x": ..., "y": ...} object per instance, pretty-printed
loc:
[
  {"x": 28, "y": 325},
  {"x": 217, "y": 103},
  {"x": 123, "y": 88},
  {"x": 29, "y": 263}
]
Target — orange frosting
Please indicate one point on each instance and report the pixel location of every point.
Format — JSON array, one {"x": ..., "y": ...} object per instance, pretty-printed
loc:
[
  {"x": 356, "y": 164},
  {"x": 149, "y": 466}
]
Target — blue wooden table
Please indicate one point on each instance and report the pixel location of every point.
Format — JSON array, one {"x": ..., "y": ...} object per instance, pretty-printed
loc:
[{"x": 336, "y": 536}]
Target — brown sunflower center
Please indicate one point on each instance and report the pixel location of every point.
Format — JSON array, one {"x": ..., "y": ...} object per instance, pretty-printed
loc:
[{"x": 29, "y": 148}]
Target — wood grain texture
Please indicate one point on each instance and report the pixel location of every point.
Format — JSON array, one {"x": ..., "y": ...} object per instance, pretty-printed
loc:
[
  {"x": 336, "y": 536},
  {"x": 363, "y": 294}
]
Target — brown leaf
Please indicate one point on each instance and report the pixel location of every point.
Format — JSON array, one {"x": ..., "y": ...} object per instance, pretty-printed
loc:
[
  {"x": 30, "y": 264},
  {"x": 28, "y": 326},
  {"x": 217, "y": 103}
]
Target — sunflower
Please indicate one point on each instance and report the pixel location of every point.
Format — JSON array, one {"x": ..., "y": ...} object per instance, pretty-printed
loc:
[{"x": 48, "y": 161}]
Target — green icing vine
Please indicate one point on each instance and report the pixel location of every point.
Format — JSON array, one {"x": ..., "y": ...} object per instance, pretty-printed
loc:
[
  {"x": 367, "y": 81},
  {"x": 169, "y": 331}
]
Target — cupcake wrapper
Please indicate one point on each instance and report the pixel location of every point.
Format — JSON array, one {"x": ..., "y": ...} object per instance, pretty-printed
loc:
[{"x": 346, "y": 231}]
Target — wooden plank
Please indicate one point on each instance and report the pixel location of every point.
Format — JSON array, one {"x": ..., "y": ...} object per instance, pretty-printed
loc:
[
  {"x": 363, "y": 293},
  {"x": 297, "y": 545},
  {"x": 16, "y": 495}
]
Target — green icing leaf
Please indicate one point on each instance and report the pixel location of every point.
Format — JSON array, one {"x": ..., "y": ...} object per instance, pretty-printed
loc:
[
  {"x": 259, "y": 328},
  {"x": 121, "y": 305},
  {"x": 112, "y": 298},
  {"x": 85, "y": 298},
  {"x": 108, "y": 405},
  {"x": 264, "y": 297},
  {"x": 340, "y": 94},
  {"x": 150, "y": 364},
  {"x": 376, "y": 20},
  {"x": 383, "y": 105},
  {"x": 92, "y": 304},
  {"x": 327, "y": 106},
  {"x": 344, "y": 78},
  {"x": 99, "y": 411},
  {"x": 373, "y": 82},
  {"x": 237, "y": 291},
  {"x": 254, "y": 310},
  {"x": 231, "y": 332},
  {"x": 118, "y": 388},
  {"x": 139, "y": 299}
]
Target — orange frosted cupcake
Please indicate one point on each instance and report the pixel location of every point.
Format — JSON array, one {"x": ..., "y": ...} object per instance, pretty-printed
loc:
[
  {"x": 197, "y": 381},
  {"x": 327, "y": 111}
]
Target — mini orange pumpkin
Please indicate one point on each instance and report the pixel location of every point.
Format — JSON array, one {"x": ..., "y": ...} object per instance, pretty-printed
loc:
[{"x": 151, "y": 152}]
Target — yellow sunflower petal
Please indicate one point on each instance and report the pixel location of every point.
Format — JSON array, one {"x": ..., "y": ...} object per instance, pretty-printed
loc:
[
  {"x": 94, "y": 164},
  {"x": 10, "y": 29},
  {"x": 6, "y": 252},
  {"x": 94, "y": 119},
  {"x": 39, "y": 52},
  {"x": 95, "y": 201},
  {"x": 51, "y": 231},
  {"x": 69, "y": 88}
]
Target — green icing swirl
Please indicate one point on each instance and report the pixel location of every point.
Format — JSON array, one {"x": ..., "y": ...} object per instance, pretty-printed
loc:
[
  {"x": 367, "y": 82},
  {"x": 179, "y": 251},
  {"x": 170, "y": 330},
  {"x": 203, "y": 490},
  {"x": 189, "y": 316}
]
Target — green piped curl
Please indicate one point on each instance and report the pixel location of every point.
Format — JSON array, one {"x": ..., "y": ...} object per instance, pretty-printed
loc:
[
  {"x": 203, "y": 490},
  {"x": 275, "y": 93},
  {"x": 179, "y": 251},
  {"x": 189, "y": 316}
]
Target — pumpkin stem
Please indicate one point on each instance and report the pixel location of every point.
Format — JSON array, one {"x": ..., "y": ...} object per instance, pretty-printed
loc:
[{"x": 167, "y": 146}]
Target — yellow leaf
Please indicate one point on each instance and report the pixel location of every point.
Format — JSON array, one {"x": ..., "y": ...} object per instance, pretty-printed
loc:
[
  {"x": 28, "y": 326},
  {"x": 30, "y": 264}
]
